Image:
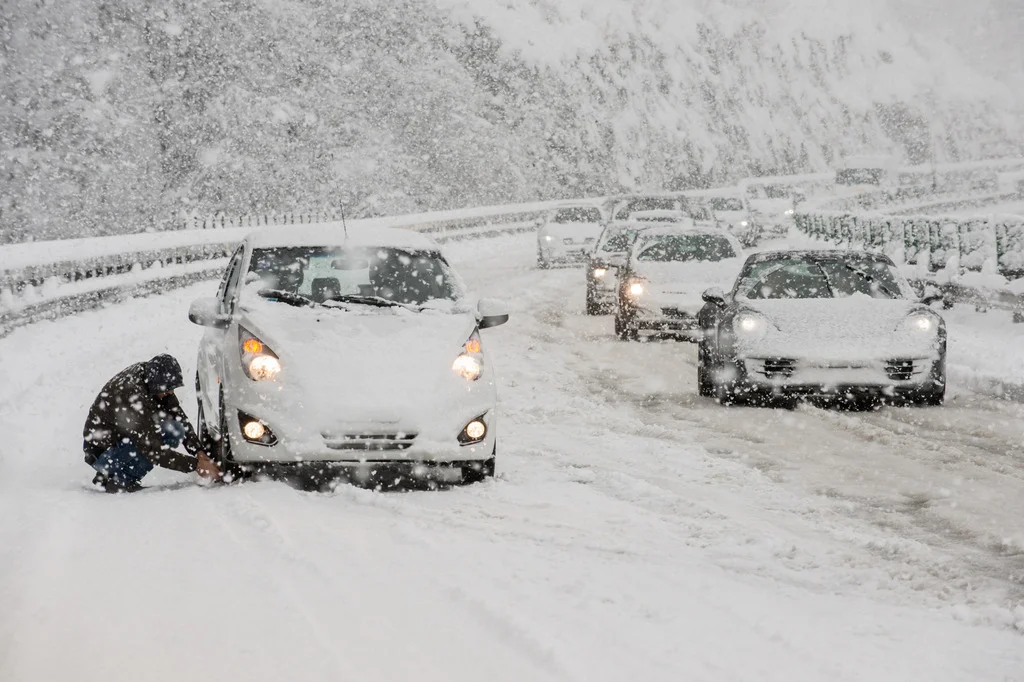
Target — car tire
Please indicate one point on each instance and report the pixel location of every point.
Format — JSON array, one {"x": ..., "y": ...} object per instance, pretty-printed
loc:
[
  {"x": 625, "y": 328},
  {"x": 705, "y": 379},
  {"x": 221, "y": 452},
  {"x": 592, "y": 307},
  {"x": 933, "y": 393},
  {"x": 203, "y": 428},
  {"x": 542, "y": 264}
]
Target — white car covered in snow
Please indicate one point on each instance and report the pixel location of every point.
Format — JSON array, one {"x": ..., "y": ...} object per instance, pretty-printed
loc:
[
  {"x": 345, "y": 353},
  {"x": 842, "y": 324},
  {"x": 568, "y": 233},
  {"x": 733, "y": 212},
  {"x": 667, "y": 270}
]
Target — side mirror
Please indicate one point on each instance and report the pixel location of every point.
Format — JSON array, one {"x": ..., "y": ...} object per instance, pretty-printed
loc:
[
  {"x": 492, "y": 313},
  {"x": 206, "y": 313},
  {"x": 714, "y": 295}
]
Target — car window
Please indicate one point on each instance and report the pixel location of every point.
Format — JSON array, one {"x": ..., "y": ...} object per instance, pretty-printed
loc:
[
  {"x": 726, "y": 204},
  {"x": 646, "y": 204},
  {"x": 874, "y": 278},
  {"x": 836, "y": 278},
  {"x": 320, "y": 273},
  {"x": 577, "y": 214},
  {"x": 616, "y": 240},
  {"x": 689, "y": 247}
]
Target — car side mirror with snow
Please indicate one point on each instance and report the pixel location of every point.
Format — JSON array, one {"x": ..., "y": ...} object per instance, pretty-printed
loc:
[
  {"x": 492, "y": 312},
  {"x": 206, "y": 313},
  {"x": 714, "y": 295}
]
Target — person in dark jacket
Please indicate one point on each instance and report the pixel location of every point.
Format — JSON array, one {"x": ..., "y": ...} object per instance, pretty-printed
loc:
[{"x": 136, "y": 423}]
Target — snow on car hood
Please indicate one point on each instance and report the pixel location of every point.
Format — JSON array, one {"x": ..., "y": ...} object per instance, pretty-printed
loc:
[
  {"x": 363, "y": 363},
  {"x": 856, "y": 327},
  {"x": 681, "y": 284}
]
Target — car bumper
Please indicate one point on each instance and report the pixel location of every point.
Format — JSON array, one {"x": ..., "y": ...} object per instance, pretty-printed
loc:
[
  {"x": 804, "y": 377},
  {"x": 563, "y": 253}
]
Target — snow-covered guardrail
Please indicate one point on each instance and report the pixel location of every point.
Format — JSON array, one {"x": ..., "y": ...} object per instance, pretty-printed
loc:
[
  {"x": 45, "y": 280},
  {"x": 973, "y": 258}
]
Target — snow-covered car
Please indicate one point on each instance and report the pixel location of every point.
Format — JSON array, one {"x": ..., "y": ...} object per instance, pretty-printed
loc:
[
  {"x": 773, "y": 205},
  {"x": 668, "y": 268},
  {"x": 625, "y": 207},
  {"x": 345, "y": 353},
  {"x": 567, "y": 234},
  {"x": 608, "y": 255},
  {"x": 842, "y": 324},
  {"x": 734, "y": 214}
]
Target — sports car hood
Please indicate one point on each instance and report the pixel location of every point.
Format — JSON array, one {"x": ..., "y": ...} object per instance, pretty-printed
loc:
[
  {"x": 857, "y": 327},
  {"x": 366, "y": 363}
]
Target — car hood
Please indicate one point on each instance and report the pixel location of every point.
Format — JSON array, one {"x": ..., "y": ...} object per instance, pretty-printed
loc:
[
  {"x": 854, "y": 327},
  {"x": 682, "y": 284},
  {"x": 362, "y": 363}
]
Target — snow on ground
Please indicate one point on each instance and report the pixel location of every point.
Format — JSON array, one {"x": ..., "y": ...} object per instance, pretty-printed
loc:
[{"x": 634, "y": 530}]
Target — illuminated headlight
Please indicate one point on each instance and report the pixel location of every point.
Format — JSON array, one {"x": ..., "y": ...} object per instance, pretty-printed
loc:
[
  {"x": 750, "y": 325},
  {"x": 548, "y": 238},
  {"x": 790, "y": 211},
  {"x": 600, "y": 272},
  {"x": 255, "y": 430},
  {"x": 636, "y": 289},
  {"x": 468, "y": 367},
  {"x": 474, "y": 432},
  {"x": 259, "y": 362},
  {"x": 921, "y": 323},
  {"x": 744, "y": 223}
]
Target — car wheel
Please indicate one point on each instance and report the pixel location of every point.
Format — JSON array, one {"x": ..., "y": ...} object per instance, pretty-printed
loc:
[
  {"x": 542, "y": 264},
  {"x": 592, "y": 307},
  {"x": 705, "y": 385},
  {"x": 221, "y": 451},
  {"x": 933, "y": 393},
  {"x": 203, "y": 428}
]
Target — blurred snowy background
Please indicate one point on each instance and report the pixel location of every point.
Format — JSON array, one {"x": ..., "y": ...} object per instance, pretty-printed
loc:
[{"x": 116, "y": 115}]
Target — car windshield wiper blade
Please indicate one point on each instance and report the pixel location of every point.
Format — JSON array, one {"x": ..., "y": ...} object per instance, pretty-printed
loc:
[
  {"x": 872, "y": 280},
  {"x": 360, "y": 299},
  {"x": 289, "y": 297}
]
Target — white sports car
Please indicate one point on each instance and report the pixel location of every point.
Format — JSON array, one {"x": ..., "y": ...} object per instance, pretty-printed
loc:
[
  {"x": 327, "y": 351},
  {"x": 840, "y": 324}
]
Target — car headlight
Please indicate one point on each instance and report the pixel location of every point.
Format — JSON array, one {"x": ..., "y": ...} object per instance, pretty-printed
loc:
[
  {"x": 749, "y": 325},
  {"x": 548, "y": 238},
  {"x": 470, "y": 362},
  {"x": 790, "y": 211},
  {"x": 258, "y": 361},
  {"x": 636, "y": 288},
  {"x": 744, "y": 223},
  {"x": 600, "y": 272},
  {"x": 921, "y": 323}
]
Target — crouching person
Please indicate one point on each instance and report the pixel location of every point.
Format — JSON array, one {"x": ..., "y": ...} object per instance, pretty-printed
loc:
[{"x": 136, "y": 423}]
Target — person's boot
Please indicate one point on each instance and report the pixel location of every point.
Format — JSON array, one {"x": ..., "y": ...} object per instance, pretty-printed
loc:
[{"x": 111, "y": 485}]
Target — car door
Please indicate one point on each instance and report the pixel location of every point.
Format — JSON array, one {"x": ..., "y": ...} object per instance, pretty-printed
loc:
[{"x": 215, "y": 343}]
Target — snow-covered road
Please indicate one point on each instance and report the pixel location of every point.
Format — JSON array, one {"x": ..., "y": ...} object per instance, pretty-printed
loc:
[{"x": 635, "y": 531}]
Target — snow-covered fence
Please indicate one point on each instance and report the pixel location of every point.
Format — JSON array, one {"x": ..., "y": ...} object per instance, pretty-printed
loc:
[
  {"x": 970, "y": 257},
  {"x": 45, "y": 280}
]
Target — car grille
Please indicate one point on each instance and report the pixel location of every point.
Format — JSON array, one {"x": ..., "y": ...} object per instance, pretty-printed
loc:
[
  {"x": 899, "y": 370},
  {"x": 778, "y": 367},
  {"x": 368, "y": 441}
]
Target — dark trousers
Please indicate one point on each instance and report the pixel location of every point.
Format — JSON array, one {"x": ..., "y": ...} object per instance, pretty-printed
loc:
[{"x": 124, "y": 466}]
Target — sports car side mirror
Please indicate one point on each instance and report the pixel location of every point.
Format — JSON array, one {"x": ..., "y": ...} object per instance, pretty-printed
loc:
[
  {"x": 206, "y": 313},
  {"x": 492, "y": 313},
  {"x": 714, "y": 295}
]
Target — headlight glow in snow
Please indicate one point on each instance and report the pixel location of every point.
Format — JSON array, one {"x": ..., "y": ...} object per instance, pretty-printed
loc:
[
  {"x": 600, "y": 272},
  {"x": 476, "y": 429},
  {"x": 920, "y": 322},
  {"x": 749, "y": 325},
  {"x": 259, "y": 362},
  {"x": 468, "y": 367},
  {"x": 744, "y": 223},
  {"x": 636, "y": 289},
  {"x": 254, "y": 430},
  {"x": 548, "y": 238}
]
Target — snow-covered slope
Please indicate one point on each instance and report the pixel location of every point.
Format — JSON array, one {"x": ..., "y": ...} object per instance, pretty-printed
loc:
[{"x": 114, "y": 116}]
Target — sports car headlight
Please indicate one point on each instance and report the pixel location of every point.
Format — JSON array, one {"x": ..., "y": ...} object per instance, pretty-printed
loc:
[
  {"x": 600, "y": 272},
  {"x": 921, "y": 323},
  {"x": 258, "y": 361},
  {"x": 749, "y": 325},
  {"x": 636, "y": 288},
  {"x": 470, "y": 362}
]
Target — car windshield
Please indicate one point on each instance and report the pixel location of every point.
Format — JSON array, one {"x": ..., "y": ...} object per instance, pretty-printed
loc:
[
  {"x": 361, "y": 274},
  {"x": 686, "y": 247},
  {"x": 616, "y": 239},
  {"x": 838, "y": 278},
  {"x": 647, "y": 204},
  {"x": 726, "y": 204},
  {"x": 577, "y": 214}
]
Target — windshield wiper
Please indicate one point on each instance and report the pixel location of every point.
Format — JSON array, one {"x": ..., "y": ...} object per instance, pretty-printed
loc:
[
  {"x": 871, "y": 279},
  {"x": 289, "y": 297},
  {"x": 360, "y": 299}
]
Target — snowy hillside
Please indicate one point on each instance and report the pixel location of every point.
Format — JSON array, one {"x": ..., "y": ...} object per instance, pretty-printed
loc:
[{"x": 117, "y": 115}]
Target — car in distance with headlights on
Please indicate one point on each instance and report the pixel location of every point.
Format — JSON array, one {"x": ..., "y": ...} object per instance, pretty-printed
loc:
[
  {"x": 732, "y": 211},
  {"x": 667, "y": 269},
  {"x": 567, "y": 234},
  {"x": 608, "y": 255},
  {"x": 339, "y": 355},
  {"x": 820, "y": 324}
]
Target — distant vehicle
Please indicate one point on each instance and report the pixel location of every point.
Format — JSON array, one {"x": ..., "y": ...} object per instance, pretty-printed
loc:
[
  {"x": 822, "y": 324},
  {"x": 345, "y": 353},
  {"x": 661, "y": 282},
  {"x": 868, "y": 169},
  {"x": 773, "y": 204},
  {"x": 567, "y": 234},
  {"x": 734, "y": 213},
  {"x": 608, "y": 255},
  {"x": 629, "y": 207}
]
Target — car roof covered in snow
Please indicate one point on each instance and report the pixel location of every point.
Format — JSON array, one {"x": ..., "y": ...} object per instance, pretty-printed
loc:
[
  {"x": 656, "y": 214},
  {"x": 688, "y": 227},
  {"x": 818, "y": 254},
  {"x": 334, "y": 234}
]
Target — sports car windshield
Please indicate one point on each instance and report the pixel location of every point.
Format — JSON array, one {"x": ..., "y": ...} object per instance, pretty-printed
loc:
[
  {"x": 360, "y": 275},
  {"x": 686, "y": 247},
  {"x": 837, "y": 278}
]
